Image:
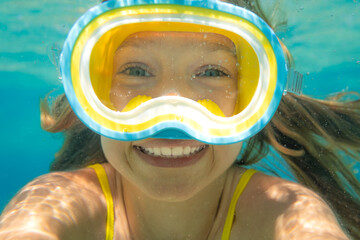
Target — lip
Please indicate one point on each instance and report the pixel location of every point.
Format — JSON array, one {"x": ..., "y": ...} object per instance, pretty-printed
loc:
[{"x": 170, "y": 162}]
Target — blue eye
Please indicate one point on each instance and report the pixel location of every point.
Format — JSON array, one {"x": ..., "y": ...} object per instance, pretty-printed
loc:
[
  {"x": 212, "y": 71},
  {"x": 136, "y": 71}
]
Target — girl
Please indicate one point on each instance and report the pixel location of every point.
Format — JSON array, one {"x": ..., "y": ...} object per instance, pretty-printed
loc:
[{"x": 174, "y": 101}]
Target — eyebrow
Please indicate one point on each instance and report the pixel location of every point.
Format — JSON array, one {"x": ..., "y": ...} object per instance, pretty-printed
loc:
[
  {"x": 210, "y": 46},
  {"x": 213, "y": 47}
]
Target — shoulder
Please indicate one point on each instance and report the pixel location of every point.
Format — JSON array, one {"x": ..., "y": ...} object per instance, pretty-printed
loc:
[
  {"x": 76, "y": 183},
  {"x": 58, "y": 203},
  {"x": 286, "y": 210}
]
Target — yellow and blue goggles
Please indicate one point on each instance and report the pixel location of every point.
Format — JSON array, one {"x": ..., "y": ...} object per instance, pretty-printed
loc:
[{"x": 127, "y": 107}]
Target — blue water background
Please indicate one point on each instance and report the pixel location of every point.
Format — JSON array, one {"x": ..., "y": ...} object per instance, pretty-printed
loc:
[{"x": 322, "y": 35}]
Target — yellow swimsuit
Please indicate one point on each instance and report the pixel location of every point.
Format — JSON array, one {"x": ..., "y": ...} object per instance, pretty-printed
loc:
[{"x": 104, "y": 183}]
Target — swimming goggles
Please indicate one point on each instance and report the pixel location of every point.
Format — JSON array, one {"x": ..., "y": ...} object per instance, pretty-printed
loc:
[{"x": 225, "y": 91}]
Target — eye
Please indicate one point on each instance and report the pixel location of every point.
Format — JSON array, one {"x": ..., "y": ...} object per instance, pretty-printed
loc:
[
  {"x": 136, "y": 70},
  {"x": 212, "y": 71}
]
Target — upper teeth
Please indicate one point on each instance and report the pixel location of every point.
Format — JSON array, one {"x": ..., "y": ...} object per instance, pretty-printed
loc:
[{"x": 178, "y": 151}]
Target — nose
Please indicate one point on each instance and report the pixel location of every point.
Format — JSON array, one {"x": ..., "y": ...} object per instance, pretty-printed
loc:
[
  {"x": 183, "y": 91},
  {"x": 179, "y": 87},
  {"x": 172, "y": 93}
]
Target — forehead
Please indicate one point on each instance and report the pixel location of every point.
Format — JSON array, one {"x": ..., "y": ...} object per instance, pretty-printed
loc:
[{"x": 210, "y": 40}]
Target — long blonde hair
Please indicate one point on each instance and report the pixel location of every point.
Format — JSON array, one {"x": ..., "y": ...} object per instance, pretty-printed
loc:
[{"x": 310, "y": 135}]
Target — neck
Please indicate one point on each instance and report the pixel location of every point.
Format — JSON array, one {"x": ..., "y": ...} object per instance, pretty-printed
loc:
[{"x": 151, "y": 218}]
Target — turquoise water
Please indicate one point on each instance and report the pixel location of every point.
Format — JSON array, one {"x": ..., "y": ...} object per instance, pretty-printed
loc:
[{"x": 323, "y": 38}]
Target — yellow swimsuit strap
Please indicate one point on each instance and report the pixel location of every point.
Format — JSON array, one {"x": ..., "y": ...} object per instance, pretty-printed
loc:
[
  {"x": 245, "y": 178},
  {"x": 100, "y": 171},
  {"x": 104, "y": 183}
]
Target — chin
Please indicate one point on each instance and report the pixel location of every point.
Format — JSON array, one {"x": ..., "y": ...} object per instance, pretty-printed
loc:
[{"x": 169, "y": 191}]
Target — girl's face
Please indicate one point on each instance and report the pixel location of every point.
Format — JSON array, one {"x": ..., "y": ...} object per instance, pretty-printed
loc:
[{"x": 192, "y": 65}]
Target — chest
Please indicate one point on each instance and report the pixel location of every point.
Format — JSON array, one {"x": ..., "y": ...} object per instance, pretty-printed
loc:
[{"x": 252, "y": 218}]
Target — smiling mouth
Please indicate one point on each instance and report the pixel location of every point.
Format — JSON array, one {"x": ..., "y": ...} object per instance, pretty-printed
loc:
[{"x": 171, "y": 152}]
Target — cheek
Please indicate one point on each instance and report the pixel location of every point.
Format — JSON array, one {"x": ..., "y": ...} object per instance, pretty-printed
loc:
[
  {"x": 226, "y": 155},
  {"x": 119, "y": 96},
  {"x": 226, "y": 100},
  {"x": 114, "y": 151}
]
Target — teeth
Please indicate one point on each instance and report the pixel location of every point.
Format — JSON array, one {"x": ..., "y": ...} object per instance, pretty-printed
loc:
[
  {"x": 187, "y": 150},
  {"x": 165, "y": 151},
  {"x": 171, "y": 152},
  {"x": 155, "y": 151}
]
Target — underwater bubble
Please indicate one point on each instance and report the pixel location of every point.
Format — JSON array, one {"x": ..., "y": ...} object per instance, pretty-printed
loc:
[{"x": 54, "y": 52}]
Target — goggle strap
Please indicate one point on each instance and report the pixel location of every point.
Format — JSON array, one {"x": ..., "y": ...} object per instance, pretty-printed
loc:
[{"x": 294, "y": 83}]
